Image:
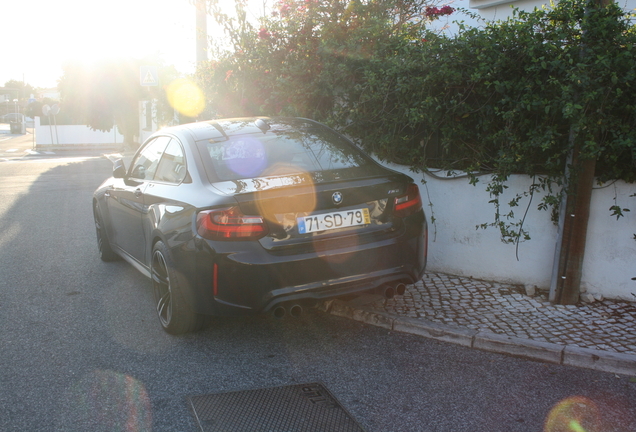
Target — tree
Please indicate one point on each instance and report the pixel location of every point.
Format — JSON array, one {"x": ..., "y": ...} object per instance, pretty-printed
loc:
[
  {"x": 18, "y": 89},
  {"x": 107, "y": 94},
  {"x": 104, "y": 95},
  {"x": 305, "y": 57},
  {"x": 500, "y": 99}
]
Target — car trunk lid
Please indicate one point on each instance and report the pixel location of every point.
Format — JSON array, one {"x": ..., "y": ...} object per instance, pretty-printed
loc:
[{"x": 320, "y": 210}]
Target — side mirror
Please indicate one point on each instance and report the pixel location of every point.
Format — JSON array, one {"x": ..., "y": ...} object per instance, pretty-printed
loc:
[{"x": 119, "y": 169}]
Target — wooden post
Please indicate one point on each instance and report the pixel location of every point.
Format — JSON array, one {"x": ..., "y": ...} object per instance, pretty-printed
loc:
[
  {"x": 572, "y": 253},
  {"x": 575, "y": 230}
]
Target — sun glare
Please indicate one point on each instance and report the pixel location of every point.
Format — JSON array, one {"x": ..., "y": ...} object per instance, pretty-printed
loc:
[
  {"x": 186, "y": 97},
  {"x": 52, "y": 33},
  {"x": 39, "y": 36}
]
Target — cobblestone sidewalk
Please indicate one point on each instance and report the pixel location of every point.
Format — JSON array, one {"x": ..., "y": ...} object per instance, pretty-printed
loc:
[{"x": 506, "y": 310}]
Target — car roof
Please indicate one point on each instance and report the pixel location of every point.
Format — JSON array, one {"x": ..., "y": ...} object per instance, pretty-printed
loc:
[{"x": 216, "y": 129}]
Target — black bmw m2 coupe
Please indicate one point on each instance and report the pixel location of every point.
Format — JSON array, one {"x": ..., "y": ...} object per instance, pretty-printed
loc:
[{"x": 256, "y": 215}]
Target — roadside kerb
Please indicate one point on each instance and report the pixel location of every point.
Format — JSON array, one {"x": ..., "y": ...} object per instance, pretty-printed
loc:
[
  {"x": 527, "y": 348},
  {"x": 606, "y": 361},
  {"x": 340, "y": 308},
  {"x": 432, "y": 330},
  {"x": 624, "y": 364}
]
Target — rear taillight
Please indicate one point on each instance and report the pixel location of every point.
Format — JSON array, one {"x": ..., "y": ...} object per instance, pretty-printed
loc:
[
  {"x": 408, "y": 203},
  {"x": 230, "y": 224}
]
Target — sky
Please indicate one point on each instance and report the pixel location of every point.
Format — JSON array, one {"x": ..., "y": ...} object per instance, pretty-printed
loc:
[{"x": 38, "y": 36}]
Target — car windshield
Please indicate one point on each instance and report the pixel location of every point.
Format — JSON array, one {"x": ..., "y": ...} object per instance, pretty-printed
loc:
[{"x": 278, "y": 152}]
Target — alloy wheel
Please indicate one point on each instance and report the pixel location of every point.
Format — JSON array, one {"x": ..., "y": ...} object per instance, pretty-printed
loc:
[
  {"x": 161, "y": 288},
  {"x": 98, "y": 230}
]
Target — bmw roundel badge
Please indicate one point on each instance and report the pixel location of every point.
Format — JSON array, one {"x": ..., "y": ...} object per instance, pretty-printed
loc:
[{"x": 337, "y": 198}]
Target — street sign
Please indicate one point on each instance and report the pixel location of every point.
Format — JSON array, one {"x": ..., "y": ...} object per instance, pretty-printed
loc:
[{"x": 148, "y": 76}]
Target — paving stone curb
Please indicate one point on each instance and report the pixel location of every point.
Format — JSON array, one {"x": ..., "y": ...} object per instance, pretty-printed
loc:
[
  {"x": 527, "y": 348},
  {"x": 624, "y": 364},
  {"x": 432, "y": 330}
]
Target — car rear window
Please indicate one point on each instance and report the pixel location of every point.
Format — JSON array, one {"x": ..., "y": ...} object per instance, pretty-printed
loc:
[{"x": 278, "y": 152}]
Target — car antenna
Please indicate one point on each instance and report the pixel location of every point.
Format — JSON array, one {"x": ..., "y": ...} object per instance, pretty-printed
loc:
[{"x": 262, "y": 125}]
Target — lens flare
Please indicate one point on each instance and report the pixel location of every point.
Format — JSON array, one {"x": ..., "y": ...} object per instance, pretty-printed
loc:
[
  {"x": 574, "y": 414},
  {"x": 109, "y": 400},
  {"x": 246, "y": 157},
  {"x": 186, "y": 97},
  {"x": 285, "y": 212}
]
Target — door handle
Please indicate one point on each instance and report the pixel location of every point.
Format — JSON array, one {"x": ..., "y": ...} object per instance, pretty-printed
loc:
[{"x": 138, "y": 192}]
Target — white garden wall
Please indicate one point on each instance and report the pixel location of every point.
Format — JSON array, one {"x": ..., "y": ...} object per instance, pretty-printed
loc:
[
  {"x": 73, "y": 135},
  {"x": 457, "y": 247}
]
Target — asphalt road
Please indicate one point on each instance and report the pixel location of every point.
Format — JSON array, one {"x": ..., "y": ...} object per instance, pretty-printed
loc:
[{"x": 81, "y": 349}]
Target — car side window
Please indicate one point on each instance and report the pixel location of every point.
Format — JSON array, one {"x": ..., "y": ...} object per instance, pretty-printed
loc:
[
  {"x": 172, "y": 167},
  {"x": 147, "y": 161}
]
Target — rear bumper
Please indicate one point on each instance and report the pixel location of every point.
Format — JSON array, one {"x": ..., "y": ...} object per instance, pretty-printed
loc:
[
  {"x": 254, "y": 280},
  {"x": 323, "y": 290}
]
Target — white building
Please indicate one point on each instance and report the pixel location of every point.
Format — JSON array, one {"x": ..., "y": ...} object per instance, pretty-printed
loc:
[
  {"x": 52, "y": 93},
  {"x": 502, "y": 9}
]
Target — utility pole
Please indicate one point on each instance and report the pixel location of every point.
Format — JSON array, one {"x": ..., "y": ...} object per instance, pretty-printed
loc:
[
  {"x": 567, "y": 284},
  {"x": 577, "y": 212},
  {"x": 201, "y": 31}
]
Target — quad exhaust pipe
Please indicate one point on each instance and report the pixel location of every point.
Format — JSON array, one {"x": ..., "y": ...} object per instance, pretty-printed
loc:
[
  {"x": 279, "y": 312},
  {"x": 294, "y": 310},
  {"x": 390, "y": 291}
]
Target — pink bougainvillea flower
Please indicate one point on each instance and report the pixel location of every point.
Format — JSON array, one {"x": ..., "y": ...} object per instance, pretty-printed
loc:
[
  {"x": 284, "y": 9},
  {"x": 433, "y": 12}
]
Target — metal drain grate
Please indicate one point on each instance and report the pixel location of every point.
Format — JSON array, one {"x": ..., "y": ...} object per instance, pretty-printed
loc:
[{"x": 295, "y": 408}]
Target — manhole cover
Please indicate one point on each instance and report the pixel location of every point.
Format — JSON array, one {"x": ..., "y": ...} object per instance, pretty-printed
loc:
[{"x": 295, "y": 408}]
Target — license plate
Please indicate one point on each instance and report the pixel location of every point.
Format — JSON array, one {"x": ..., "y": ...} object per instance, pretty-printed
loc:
[{"x": 334, "y": 220}]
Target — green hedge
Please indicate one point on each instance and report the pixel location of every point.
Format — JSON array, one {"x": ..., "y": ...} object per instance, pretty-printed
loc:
[{"x": 512, "y": 97}]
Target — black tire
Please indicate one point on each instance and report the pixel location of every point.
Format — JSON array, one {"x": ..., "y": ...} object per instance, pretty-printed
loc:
[
  {"x": 106, "y": 252},
  {"x": 175, "y": 315}
]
